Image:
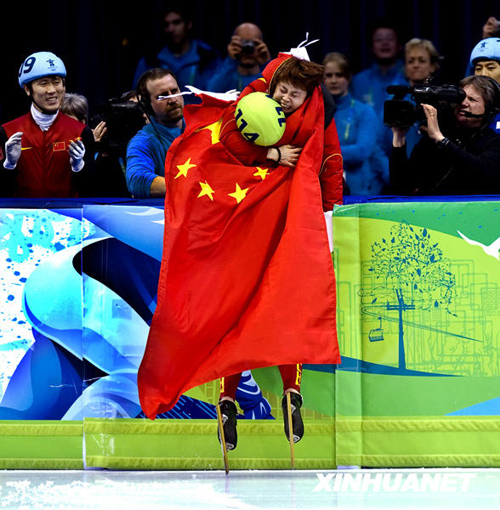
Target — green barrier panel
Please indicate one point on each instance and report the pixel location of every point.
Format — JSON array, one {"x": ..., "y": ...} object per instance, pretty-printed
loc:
[
  {"x": 419, "y": 326},
  {"x": 193, "y": 444},
  {"x": 41, "y": 444},
  {"x": 419, "y": 385}
]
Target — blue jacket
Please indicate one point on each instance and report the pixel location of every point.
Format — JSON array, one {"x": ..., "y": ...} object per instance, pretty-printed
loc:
[
  {"x": 146, "y": 153},
  {"x": 495, "y": 125},
  {"x": 366, "y": 169},
  {"x": 227, "y": 77},
  {"x": 195, "y": 67},
  {"x": 370, "y": 86}
]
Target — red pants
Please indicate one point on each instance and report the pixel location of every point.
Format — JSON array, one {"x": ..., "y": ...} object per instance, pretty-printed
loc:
[{"x": 291, "y": 376}]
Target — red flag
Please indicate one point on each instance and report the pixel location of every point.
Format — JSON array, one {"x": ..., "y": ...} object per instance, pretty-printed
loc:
[{"x": 246, "y": 279}]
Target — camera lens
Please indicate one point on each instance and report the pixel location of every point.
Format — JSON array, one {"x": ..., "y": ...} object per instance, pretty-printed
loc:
[{"x": 247, "y": 47}]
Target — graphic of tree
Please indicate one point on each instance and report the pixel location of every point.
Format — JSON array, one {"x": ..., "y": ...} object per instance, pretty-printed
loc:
[{"x": 410, "y": 273}]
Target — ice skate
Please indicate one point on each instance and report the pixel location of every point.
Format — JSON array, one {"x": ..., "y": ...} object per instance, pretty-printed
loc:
[
  {"x": 228, "y": 412},
  {"x": 297, "y": 423}
]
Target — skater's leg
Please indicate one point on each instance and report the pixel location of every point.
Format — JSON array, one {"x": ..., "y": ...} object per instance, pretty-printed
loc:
[
  {"x": 228, "y": 386},
  {"x": 292, "y": 377}
]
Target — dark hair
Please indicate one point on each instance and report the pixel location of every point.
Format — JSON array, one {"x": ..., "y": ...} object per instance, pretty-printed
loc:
[
  {"x": 151, "y": 74},
  {"x": 487, "y": 87},
  {"x": 383, "y": 23},
  {"x": 299, "y": 73},
  {"x": 178, "y": 7}
]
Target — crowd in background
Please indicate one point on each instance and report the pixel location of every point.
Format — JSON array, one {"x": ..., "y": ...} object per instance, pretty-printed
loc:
[{"x": 132, "y": 134}]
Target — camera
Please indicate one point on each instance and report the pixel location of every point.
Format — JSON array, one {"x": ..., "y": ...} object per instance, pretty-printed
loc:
[
  {"x": 123, "y": 118},
  {"x": 403, "y": 114},
  {"x": 247, "y": 47}
]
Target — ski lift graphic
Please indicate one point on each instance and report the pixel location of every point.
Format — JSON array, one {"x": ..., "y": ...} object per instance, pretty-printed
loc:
[{"x": 377, "y": 334}]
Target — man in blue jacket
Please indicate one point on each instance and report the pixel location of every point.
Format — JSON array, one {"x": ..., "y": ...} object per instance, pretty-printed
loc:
[
  {"x": 192, "y": 60},
  {"x": 146, "y": 151},
  {"x": 370, "y": 85},
  {"x": 247, "y": 55}
]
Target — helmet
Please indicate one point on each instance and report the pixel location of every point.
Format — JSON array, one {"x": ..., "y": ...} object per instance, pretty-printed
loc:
[
  {"x": 487, "y": 49},
  {"x": 37, "y": 65},
  {"x": 260, "y": 119}
]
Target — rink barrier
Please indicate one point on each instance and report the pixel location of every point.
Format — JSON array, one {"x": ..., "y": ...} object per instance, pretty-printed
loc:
[{"x": 417, "y": 387}]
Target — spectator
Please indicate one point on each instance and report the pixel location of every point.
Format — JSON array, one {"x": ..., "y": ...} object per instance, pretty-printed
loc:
[
  {"x": 490, "y": 29},
  {"x": 421, "y": 65},
  {"x": 192, "y": 61},
  {"x": 485, "y": 61},
  {"x": 366, "y": 168},
  {"x": 370, "y": 85},
  {"x": 464, "y": 161},
  {"x": 247, "y": 56},
  {"x": 45, "y": 152},
  {"x": 76, "y": 106},
  {"x": 421, "y": 60},
  {"x": 147, "y": 150},
  {"x": 110, "y": 179}
]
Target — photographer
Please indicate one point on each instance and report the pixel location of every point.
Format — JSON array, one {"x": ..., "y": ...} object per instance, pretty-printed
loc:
[
  {"x": 465, "y": 160},
  {"x": 247, "y": 56}
]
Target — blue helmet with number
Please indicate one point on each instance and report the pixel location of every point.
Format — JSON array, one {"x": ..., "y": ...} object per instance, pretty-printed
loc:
[
  {"x": 487, "y": 49},
  {"x": 40, "y": 64}
]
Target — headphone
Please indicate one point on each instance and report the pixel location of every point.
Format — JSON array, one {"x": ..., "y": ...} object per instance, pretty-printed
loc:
[
  {"x": 494, "y": 108},
  {"x": 144, "y": 104},
  {"x": 144, "y": 101}
]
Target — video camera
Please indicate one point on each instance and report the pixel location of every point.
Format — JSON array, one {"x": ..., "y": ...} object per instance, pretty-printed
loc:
[
  {"x": 123, "y": 118},
  {"x": 403, "y": 114}
]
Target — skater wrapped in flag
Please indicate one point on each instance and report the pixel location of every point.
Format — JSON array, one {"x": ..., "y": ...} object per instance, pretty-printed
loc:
[{"x": 247, "y": 278}]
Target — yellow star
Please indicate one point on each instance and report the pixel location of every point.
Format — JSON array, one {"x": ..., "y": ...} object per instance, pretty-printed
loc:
[
  {"x": 239, "y": 194},
  {"x": 261, "y": 172},
  {"x": 184, "y": 169},
  {"x": 215, "y": 129},
  {"x": 206, "y": 190}
]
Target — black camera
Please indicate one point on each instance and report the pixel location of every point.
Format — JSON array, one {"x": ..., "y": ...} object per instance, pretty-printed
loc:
[
  {"x": 402, "y": 114},
  {"x": 123, "y": 118},
  {"x": 247, "y": 47}
]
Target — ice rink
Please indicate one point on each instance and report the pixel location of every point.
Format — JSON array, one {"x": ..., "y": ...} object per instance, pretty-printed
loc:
[{"x": 347, "y": 489}]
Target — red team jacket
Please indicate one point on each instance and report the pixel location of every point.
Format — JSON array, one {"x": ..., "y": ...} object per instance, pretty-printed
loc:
[{"x": 43, "y": 169}]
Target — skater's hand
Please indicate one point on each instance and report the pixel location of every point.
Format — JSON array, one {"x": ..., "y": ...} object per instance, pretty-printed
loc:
[
  {"x": 13, "y": 151},
  {"x": 76, "y": 154}
]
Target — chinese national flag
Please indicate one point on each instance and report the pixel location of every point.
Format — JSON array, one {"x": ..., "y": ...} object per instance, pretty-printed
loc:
[{"x": 246, "y": 279}]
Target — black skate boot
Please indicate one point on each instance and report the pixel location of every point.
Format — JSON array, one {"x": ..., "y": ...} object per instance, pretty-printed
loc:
[
  {"x": 228, "y": 412},
  {"x": 297, "y": 423}
]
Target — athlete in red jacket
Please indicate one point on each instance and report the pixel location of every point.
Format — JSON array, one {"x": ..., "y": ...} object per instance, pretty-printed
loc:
[{"x": 45, "y": 153}]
